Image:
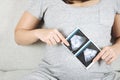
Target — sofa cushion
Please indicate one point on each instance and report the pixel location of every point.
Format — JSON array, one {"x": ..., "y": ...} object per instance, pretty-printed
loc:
[
  {"x": 13, "y": 56},
  {"x": 14, "y": 75}
]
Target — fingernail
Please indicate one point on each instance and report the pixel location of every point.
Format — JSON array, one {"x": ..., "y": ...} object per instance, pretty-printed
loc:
[
  {"x": 68, "y": 44},
  {"x": 94, "y": 60}
]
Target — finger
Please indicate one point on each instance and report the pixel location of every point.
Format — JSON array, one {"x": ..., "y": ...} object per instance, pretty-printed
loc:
[
  {"x": 110, "y": 61},
  {"x": 51, "y": 38},
  {"x": 108, "y": 58},
  {"x": 57, "y": 39},
  {"x": 53, "y": 41},
  {"x": 99, "y": 55},
  {"x": 48, "y": 42},
  {"x": 105, "y": 55},
  {"x": 62, "y": 38}
]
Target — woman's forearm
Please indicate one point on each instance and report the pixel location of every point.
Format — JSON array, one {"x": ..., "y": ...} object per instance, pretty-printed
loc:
[
  {"x": 25, "y": 37},
  {"x": 49, "y": 36},
  {"x": 117, "y": 46}
]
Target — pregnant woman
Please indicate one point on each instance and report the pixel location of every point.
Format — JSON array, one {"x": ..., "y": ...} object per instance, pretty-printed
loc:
[{"x": 96, "y": 18}]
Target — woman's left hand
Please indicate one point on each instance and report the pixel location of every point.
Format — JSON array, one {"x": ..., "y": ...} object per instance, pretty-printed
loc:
[{"x": 108, "y": 54}]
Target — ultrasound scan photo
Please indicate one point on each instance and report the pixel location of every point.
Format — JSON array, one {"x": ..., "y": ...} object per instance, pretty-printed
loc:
[
  {"x": 76, "y": 42},
  {"x": 82, "y": 47},
  {"x": 89, "y": 54}
]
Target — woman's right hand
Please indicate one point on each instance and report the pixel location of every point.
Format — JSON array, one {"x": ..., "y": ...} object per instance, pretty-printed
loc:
[{"x": 50, "y": 36}]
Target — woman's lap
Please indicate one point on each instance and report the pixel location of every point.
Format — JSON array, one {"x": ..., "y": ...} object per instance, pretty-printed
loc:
[
  {"x": 55, "y": 73},
  {"x": 38, "y": 75}
]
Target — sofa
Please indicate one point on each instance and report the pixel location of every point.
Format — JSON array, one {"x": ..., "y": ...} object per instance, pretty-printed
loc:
[{"x": 17, "y": 61}]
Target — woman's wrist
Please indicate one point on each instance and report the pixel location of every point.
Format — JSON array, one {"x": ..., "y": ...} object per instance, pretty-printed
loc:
[{"x": 35, "y": 33}]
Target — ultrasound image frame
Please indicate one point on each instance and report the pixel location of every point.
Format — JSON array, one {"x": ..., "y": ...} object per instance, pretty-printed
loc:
[
  {"x": 79, "y": 33},
  {"x": 79, "y": 52},
  {"x": 81, "y": 55}
]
